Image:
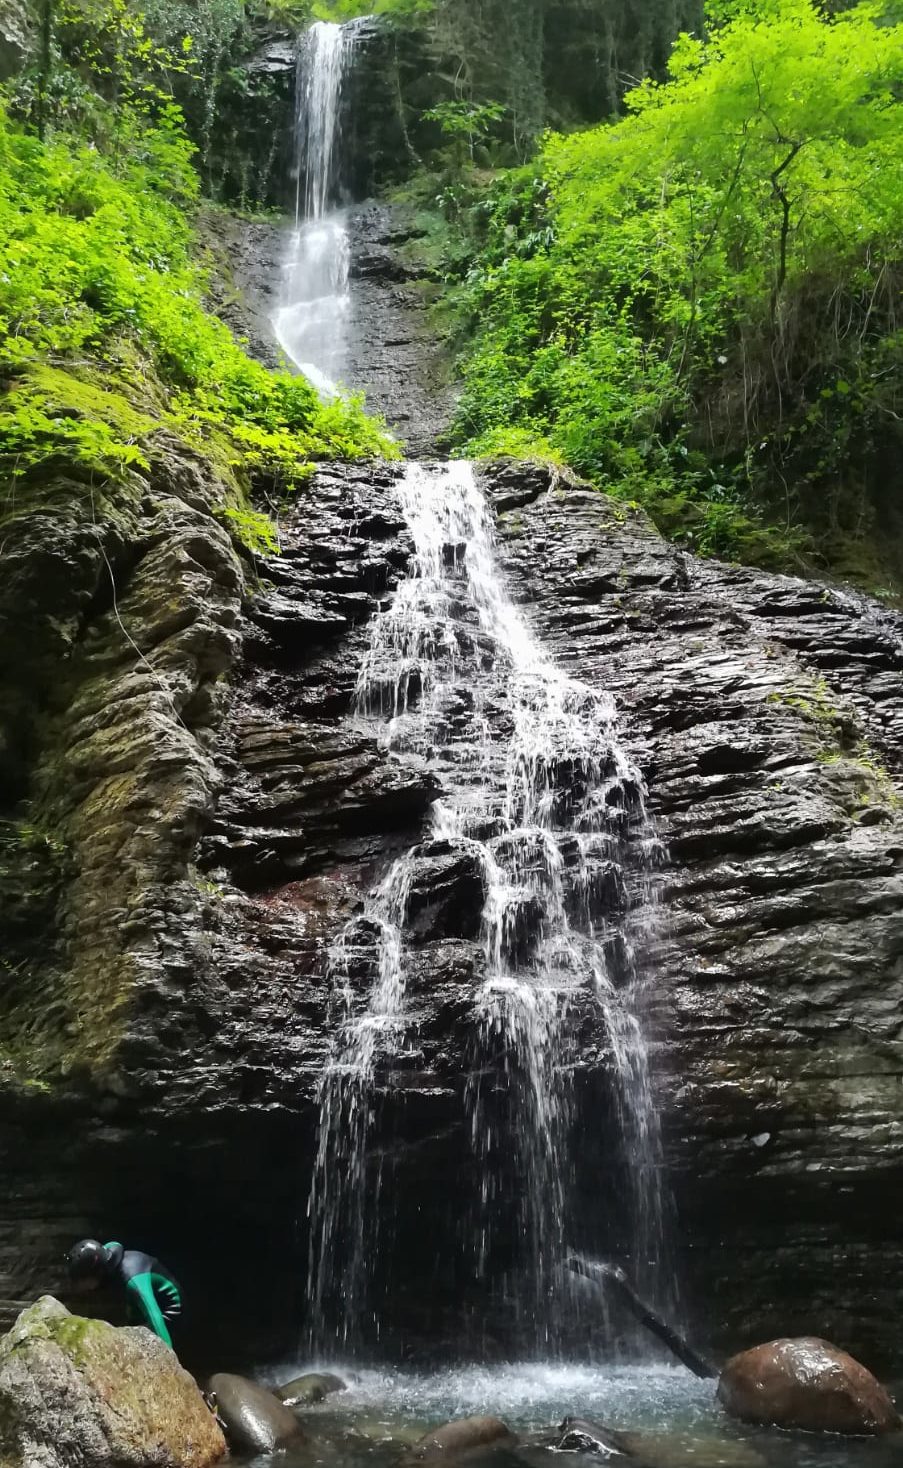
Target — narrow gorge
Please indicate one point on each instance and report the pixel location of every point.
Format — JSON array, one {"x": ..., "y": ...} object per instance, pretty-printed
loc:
[{"x": 464, "y": 878}]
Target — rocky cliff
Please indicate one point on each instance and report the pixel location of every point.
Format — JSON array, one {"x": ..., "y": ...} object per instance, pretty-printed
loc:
[{"x": 192, "y": 817}]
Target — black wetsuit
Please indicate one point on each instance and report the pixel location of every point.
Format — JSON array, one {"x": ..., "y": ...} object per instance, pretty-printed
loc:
[{"x": 149, "y": 1286}]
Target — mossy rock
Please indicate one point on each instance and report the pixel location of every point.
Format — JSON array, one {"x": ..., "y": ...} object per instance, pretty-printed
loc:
[{"x": 76, "y": 1391}]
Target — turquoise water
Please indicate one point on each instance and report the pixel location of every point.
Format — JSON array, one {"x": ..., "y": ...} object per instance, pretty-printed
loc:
[{"x": 677, "y": 1419}]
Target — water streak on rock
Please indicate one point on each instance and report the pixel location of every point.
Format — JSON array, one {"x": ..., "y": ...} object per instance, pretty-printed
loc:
[{"x": 540, "y": 809}]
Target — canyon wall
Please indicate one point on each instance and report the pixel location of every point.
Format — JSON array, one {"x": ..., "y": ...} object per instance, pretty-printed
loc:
[{"x": 191, "y": 818}]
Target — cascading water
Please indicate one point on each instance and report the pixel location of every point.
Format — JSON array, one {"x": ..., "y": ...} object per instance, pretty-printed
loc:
[
  {"x": 541, "y": 798},
  {"x": 310, "y": 324}
]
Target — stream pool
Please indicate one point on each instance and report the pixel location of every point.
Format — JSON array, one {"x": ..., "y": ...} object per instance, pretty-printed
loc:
[{"x": 680, "y": 1423}]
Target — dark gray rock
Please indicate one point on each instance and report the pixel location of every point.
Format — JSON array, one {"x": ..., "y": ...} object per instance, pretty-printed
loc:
[
  {"x": 447, "y": 892},
  {"x": 16, "y": 37},
  {"x": 393, "y": 353},
  {"x": 580, "y": 1436},
  {"x": 766, "y": 714},
  {"x": 216, "y": 815},
  {"x": 255, "y": 1420}
]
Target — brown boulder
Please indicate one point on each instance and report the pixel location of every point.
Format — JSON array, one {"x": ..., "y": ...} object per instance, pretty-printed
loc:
[
  {"x": 460, "y": 1436},
  {"x": 805, "y": 1383},
  {"x": 255, "y": 1419}
]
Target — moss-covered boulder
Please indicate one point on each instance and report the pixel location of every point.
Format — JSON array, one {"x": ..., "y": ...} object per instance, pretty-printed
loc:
[{"x": 76, "y": 1391}]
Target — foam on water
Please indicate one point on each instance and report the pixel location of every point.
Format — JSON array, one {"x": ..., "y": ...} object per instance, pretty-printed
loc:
[{"x": 676, "y": 1416}]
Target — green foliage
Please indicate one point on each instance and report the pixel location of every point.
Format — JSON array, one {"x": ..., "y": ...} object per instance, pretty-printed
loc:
[
  {"x": 342, "y": 10},
  {"x": 465, "y": 124},
  {"x": 695, "y": 305},
  {"x": 253, "y": 529},
  {"x": 46, "y": 411},
  {"x": 96, "y": 260}
]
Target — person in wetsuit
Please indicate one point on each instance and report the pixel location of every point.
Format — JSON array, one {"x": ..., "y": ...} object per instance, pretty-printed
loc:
[{"x": 152, "y": 1293}]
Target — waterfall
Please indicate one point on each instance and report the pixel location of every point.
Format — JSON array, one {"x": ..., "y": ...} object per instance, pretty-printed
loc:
[
  {"x": 542, "y": 800},
  {"x": 310, "y": 323}
]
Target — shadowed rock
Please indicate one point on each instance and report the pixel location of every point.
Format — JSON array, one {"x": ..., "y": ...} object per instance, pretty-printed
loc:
[
  {"x": 313, "y": 1386},
  {"x": 580, "y": 1436},
  {"x": 201, "y": 830}
]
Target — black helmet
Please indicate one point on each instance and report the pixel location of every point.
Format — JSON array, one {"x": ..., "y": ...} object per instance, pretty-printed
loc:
[{"x": 86, "y": 1259}]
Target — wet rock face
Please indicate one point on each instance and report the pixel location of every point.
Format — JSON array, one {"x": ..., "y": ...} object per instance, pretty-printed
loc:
[
  {"x": 80, "y": 1391},
  {"x": 16, "y": 37},
  {"x": 808, "y": 1384},
  {"x": 217, "y": 812},
  {"x": 394, "y": 355},
  {"x": 766, "y": 714},
  {"x": 580, "y": 1436},
  {"x": 392, "y": 351}
]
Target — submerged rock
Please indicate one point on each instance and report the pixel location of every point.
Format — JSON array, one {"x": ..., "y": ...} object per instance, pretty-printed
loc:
[
  {"x": 580, "y": 1436},
  {"x": 255, "y": 1419},
  {"x": 76, "y": 1391},
  {"x": 806, "y": 1383},
  {"x": 313, "y": 1386},
  {"x": 462, "y": 1435}
]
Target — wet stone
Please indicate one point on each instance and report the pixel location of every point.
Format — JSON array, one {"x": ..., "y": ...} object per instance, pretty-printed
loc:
[
  {"x": 462, "y": 1436},
  {"x": 313, "y": 1386},
  {"x": 446, "y": 893},
  {"x": 256, "y": 1421},
  {"x": 580, "y": 1436},
  {"x": 806, "y": 1383}
]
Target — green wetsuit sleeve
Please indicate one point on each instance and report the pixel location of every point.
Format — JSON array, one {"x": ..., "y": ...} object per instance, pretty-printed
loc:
[
  {"x": 169, "y": 1288},
  {"x": 142, "y": 1288}
]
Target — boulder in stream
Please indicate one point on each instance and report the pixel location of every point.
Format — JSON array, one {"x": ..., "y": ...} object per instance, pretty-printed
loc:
[
  {"x": 254, "y": 1418},
  {"x": 313, "y": 1386},
  {"x": 81, "y": 1392},
  {"x": 461, "y": 1436},
  {"x": 806, "y": 1383},
  {"x": 580, "y": 1436}
]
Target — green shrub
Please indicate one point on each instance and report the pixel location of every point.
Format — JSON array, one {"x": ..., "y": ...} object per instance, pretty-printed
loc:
[
  {"x": 696, "y": 304},
  {"x": 97, "y": 261}
]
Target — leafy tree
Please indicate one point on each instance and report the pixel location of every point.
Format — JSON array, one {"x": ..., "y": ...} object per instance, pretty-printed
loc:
[{"x": 705, "y": 319}]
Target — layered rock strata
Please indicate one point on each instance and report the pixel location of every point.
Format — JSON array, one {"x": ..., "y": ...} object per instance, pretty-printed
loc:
[{"x": 202, "y": 815}]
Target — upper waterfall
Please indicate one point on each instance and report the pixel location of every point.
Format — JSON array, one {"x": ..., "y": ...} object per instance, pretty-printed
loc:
[{"x": 310, "y": 323}]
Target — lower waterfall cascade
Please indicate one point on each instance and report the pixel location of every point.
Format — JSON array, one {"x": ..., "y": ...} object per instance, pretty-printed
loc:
[{"x": 542, "y": 803}]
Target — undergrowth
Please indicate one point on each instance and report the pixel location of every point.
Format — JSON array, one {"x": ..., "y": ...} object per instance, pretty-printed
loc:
[
  {"x": 696, "y": 306},
  {"x": 104, "y": 341}
]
